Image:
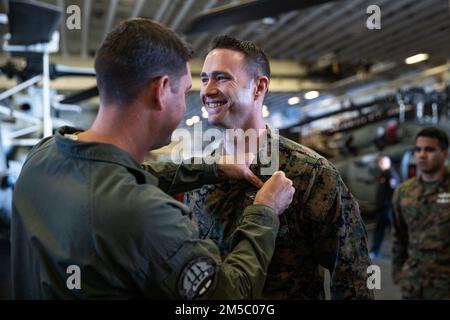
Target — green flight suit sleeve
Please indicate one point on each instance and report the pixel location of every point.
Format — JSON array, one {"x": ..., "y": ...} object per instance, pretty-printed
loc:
[
  {"x": 340, "y": 236},
  {"x": 175, "y": 178},
  {"x": 241, "y": 275},
  {"x": 399, "y": 239},
  {"x": 177, "y": 258}
]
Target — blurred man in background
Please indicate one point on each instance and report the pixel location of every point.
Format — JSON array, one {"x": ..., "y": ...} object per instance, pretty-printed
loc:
[
  {"x": 387, "y": 179},
  {"x": 421, "y": 222}
]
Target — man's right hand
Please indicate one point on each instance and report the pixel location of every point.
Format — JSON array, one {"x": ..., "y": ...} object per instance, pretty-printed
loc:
[{"x": 277, "y": 193}]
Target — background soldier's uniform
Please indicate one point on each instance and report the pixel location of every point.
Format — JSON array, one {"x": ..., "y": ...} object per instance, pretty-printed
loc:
[
  {"x": 91, "y": 205},
  {"x": 421, "y": 238},
  {"x": 322, "y": 226}
]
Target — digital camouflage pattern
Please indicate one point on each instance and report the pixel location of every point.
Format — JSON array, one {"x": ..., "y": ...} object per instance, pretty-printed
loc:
[
  {"x": 322, "y": 227},
  {"x": 421, "y": 239}
]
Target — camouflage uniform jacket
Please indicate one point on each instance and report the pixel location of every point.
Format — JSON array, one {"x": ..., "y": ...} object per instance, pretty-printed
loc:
[
  {"x": 421, "y": 238},
  {"x": 322, "y": 227}
]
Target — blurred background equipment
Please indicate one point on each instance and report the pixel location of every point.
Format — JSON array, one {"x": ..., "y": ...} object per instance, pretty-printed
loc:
[{"x": 30, "y": 110}]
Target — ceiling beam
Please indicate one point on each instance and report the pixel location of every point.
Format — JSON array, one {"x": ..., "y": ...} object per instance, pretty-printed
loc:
[
  {"x": 403, "y": 41},
  {"x": 62, "y": 29},
  {"x": 247, "y": 10},
  {"x": 137, "y": 8},
  {"x": 168, "y": 13},
  {"x": 433, "y": 44},
  {"x": 246, "y": 30},
  {"x": 181, "y": 14},
  {"x": 203, "y": 51},
  {"x": 110, "y": 17},
  {"x": 203, "y": 36},
  {"x": 275, "y": 29},
  {"x": 391, "y": 29},
  {"x": 207, "y": 36},
  {"x": 292, "y": 30},
  {"x": 162, "y": 9},
  {"x": 342, "y": 28},
  {"x": 320, "y": 23},
  {"x": 85, "y": 28},
  {"x": 351, "y": 41},
  {"x": 209, "y": 5}
]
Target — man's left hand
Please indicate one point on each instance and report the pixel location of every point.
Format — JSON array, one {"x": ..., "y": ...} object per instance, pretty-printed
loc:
[{"x": 235, "y": 167}]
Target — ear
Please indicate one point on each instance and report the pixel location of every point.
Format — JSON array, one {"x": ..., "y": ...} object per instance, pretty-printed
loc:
[
  {"x": 261, "y": 86},
  {"x": 158, "y": 92}
]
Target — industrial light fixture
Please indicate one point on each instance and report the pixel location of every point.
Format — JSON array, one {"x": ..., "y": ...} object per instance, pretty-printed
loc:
[
  {"x": 265, "y": 111},
  {"x": 269, "y": 20},
  {"x": 3, "y": 18},
  {"x": 294, "y": 100},
  {"x": 311, "y": 95},
  {"x": 417, "y": 58}
]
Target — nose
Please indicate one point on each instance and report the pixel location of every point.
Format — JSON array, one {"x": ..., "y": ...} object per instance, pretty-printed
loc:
[
  {"x": 209, "y": 88},
  {"x": 421, "y": 154}
]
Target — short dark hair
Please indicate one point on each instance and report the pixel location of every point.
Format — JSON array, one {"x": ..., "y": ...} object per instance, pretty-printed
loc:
[
  {"x": 137, "y": 51},
  {"x": 436, "y": 133},
  {"x": 257, "y": 62}
]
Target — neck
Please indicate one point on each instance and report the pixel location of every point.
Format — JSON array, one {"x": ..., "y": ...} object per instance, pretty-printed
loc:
[
  {"x": 252, "y": 131},
  {"x": 122, "y": 128},
  {"x": 255, "y": 123},
  {"x": 433, "y": 176}
]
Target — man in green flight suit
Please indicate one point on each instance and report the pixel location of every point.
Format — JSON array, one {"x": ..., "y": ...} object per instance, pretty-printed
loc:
[
  {"x": 90, "y": 222},
  {"x": 322, "y": 227},
  {"x": 421, "y": 222}
]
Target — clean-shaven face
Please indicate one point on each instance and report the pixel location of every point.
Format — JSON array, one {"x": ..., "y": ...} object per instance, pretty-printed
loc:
[
  {"x": 227, "y": 91},
  {"x": 430, "y": 158}
]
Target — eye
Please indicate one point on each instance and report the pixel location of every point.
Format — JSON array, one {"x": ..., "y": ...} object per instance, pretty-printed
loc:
[
  {"x": 221, "y": 77},
  {"x": 204, "y": 80}
]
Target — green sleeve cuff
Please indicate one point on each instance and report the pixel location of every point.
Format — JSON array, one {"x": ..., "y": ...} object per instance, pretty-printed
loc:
[{"x": 262, "y": 214}]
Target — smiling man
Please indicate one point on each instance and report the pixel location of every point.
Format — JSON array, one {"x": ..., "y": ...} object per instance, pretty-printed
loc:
[
  {"x": 230, "y": 95},
  {"x": 421, "y": 222},
  {"x": 321, "y": 228}
]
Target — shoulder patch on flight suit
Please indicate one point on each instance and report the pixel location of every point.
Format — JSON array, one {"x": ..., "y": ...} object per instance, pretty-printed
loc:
[{"x": 197, "y": 278}]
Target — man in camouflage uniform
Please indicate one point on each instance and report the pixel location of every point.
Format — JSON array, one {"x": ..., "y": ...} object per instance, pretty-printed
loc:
[
  {"x": 421, "y": 222},
  {"x": 322, "y": 226}
]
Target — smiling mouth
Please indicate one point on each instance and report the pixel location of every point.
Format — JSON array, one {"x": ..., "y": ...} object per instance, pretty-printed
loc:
[{"x": 215, "y": 107}]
